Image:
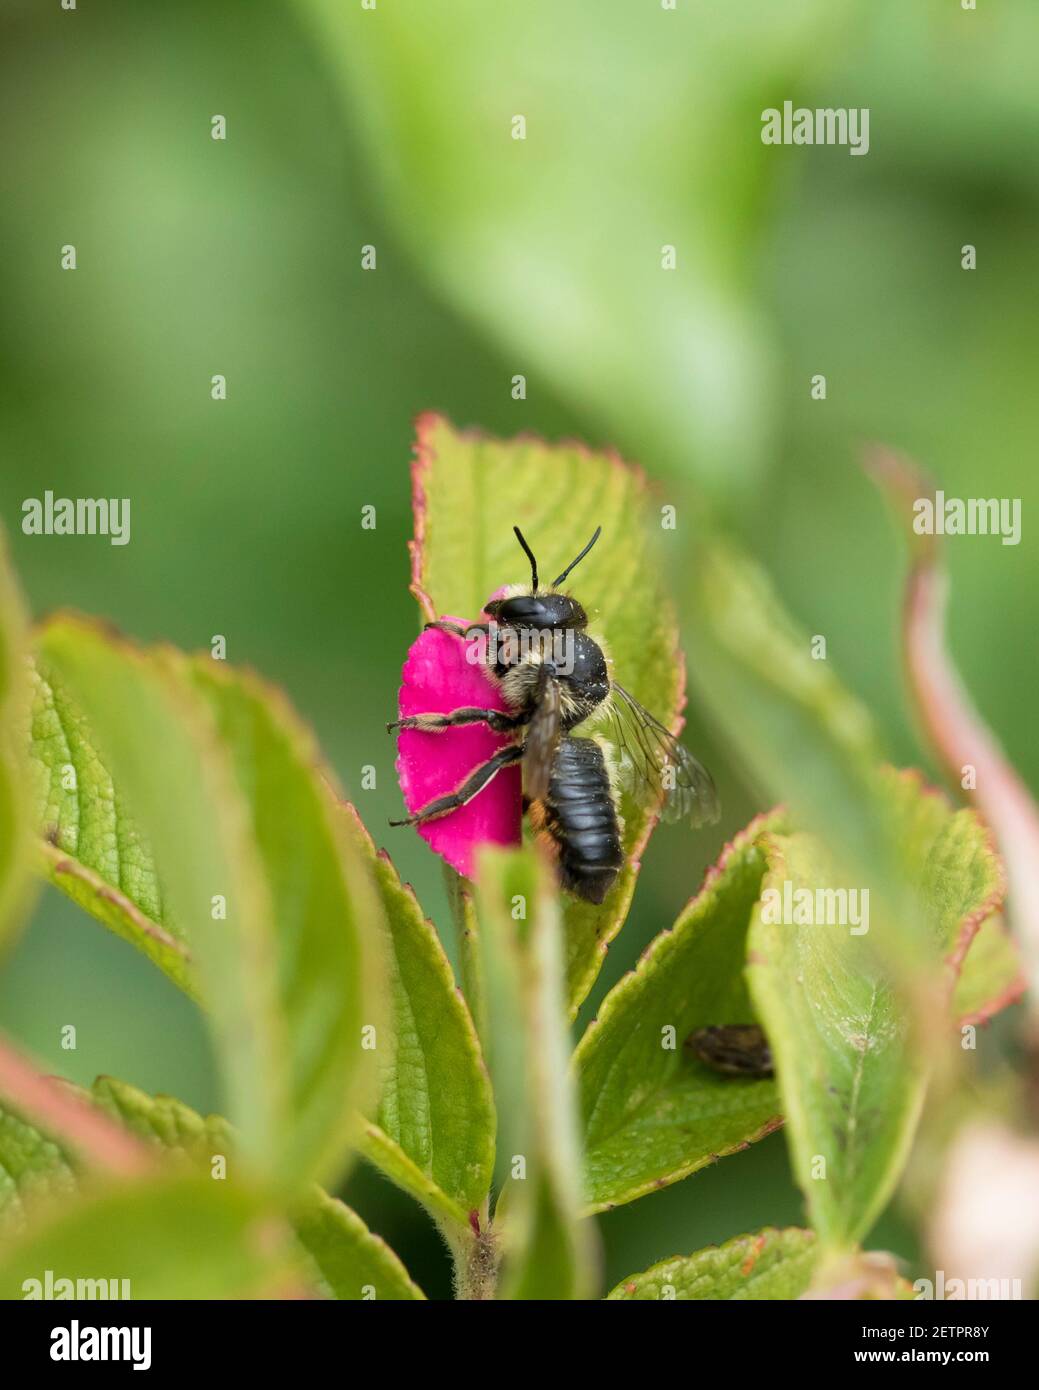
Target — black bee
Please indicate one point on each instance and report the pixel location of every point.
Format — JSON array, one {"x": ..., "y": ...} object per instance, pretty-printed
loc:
[
  {"x": 553, "y": 676},
  {"x": 734, "y": 1049}
]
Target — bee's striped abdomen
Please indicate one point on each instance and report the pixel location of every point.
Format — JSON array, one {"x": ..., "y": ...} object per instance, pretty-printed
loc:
[{"x": 580, "y": 816}]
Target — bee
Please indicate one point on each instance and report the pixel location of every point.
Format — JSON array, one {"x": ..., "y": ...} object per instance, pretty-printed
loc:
[
  {"x": 553, "y": 677},
  {"x": 734, "y": 1049}
]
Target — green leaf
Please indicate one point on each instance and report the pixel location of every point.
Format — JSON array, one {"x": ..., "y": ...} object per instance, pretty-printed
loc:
[
  {"x": 32, "y": 1169},
  {"x": 325, "y": 909},
  {"x": 434, "y": 1126},
  {"x": 387, "y": 1155},
  {"x": 954, "y": 729},
  {"x": 808, "y": 743},
  {"x": 347, "y": 1260},
  {"x": 652, "y": 1113},
  {"x": 460, "y": 896},
  {"x": 297, "y": 896},
  {"x": 991, "y": 976},
  {"x": 351, "y": 1263},
  {"x": 174, "y": 1237},
  {"x": 769, "y": 1264},
  {"x": 35, "y": 1169},
  {"x": 549, "y": 1252},
  {"x": 164, "y": 1120},
  {"x": 851, "y": 1069},
  {"x": 158, "y": 740},
  {"x": 469, "y": 490},
  {"x": 950, "y": 855},
  {"x": 805, "y": 740},
  {"x": 811, "y": 746},
  {"x": 14, "y": 803},
  {"x": 92, "y": 849},
  {"x": 435, "y": 1131}
]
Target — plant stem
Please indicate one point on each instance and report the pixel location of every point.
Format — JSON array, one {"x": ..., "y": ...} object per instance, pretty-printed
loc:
[
  {"x": 476, "y": 1253},
  {"x": 476, "y": 1259}
]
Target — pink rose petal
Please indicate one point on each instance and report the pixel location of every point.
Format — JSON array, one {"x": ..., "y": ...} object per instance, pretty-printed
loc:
[{"x": 437, "y": 678}]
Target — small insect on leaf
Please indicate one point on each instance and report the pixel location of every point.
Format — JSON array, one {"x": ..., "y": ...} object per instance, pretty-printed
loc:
[{"x": 734, "y": 1049}]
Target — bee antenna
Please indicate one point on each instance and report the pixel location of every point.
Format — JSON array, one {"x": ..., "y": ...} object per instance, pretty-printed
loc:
[
  {"x": 530, "y": 556},
  {"x": 574, "y": 563}
]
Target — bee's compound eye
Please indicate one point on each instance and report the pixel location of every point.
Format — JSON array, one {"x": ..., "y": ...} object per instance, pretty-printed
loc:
[
  {"x": 524, "y": 608},
  {"x": 541, "y": 611}
]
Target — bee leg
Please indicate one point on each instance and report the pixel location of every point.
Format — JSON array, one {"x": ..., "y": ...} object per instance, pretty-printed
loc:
[
  {"x": 495, "y": 719},
  {"x": 475, "y": 782}
]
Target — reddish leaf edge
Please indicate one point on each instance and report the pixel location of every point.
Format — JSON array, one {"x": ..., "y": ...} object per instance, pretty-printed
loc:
[{"x": 951, "y": 726}]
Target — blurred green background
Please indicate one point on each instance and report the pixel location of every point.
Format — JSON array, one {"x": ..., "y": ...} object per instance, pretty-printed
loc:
[{"x": 391, "y": 128}]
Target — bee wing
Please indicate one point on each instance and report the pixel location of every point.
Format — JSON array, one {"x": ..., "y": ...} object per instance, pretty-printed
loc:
[
  {"x": 539, "y": 748},
  {"x": 651, "y": 757}
]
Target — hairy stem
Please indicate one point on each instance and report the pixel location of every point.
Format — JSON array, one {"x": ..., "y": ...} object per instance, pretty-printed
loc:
[{"x": 476, "y": 1258}]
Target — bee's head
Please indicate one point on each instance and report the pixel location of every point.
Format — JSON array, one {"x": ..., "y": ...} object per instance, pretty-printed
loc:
[
  {"x": 545, "y": 609},
  {"x": 537, "y": 610}
]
